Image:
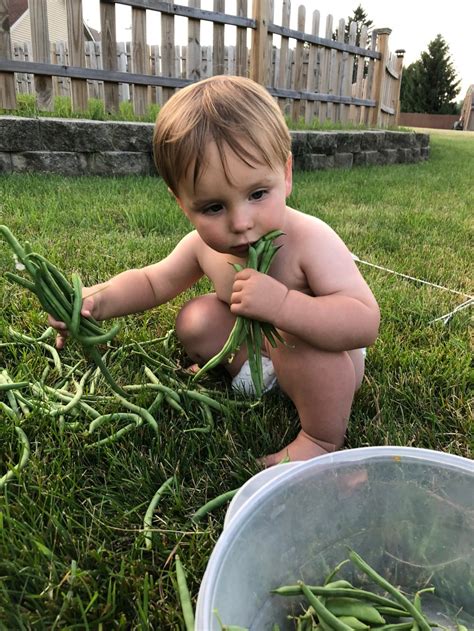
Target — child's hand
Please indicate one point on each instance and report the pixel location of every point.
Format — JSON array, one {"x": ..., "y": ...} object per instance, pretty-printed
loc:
[
  {"x": 86, "y": 311},
  {"x": 257, "y": 296}
]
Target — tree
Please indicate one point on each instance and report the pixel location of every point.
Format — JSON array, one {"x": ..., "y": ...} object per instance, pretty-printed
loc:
[
  {"x": 360, "y": 17},
  {"x": 430, "y": 84}
]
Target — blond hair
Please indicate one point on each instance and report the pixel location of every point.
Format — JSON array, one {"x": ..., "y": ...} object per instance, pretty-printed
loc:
[{"x": 234, "y": 112}]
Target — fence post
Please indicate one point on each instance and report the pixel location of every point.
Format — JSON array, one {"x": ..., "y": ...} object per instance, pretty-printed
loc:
[
  {"x": 399, "y": 53},
  {"x": 41, "y": 52},
  {"x": 382, "y": 35},
  {"x": 7, "y": 79},
  {"x": 259, "y": 53}
]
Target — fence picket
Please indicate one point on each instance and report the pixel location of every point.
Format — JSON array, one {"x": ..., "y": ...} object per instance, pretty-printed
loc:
[
  {"x": 109, "y": 54},
  {"x": 357, "y": 81}
]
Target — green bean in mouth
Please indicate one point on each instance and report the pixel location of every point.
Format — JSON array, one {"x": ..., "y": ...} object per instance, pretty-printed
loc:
[{"x": 245, "y": 330}]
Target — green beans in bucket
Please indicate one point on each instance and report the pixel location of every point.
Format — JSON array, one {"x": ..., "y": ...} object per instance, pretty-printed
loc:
[
  {"x": 62, "y": 300},
  {"x": 245, "y": 330}
]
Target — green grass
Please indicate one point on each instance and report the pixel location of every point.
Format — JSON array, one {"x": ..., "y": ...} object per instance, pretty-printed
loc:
[{"x": 72, "y": 554}]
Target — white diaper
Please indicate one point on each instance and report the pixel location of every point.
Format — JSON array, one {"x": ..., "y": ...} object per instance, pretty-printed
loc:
[{"x": 243, "y": 380}]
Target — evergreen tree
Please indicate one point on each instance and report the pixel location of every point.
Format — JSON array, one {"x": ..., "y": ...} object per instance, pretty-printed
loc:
[
  {"x": 430, "y": 85},
  {"x": 360, "y": 17}
]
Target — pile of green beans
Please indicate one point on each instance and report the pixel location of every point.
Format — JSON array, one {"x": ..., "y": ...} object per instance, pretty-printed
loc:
[
  {"x": 62, "y": 300},
  {"x": 339, "y": 606},
  {"x": 245, "y": 330},
  {"x": 68, "y": 393}
]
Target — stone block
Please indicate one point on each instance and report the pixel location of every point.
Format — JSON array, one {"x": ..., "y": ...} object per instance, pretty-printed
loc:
[
  {"x": 422, "y": 140},
  {"x": 395, "y": 139},
  {"x": 348, "y": 142},
  {"x": 425, "y": 153},
  {"x": 116, "y": 163},
  {"x": 367, "y": 158},
  {"x": 19, "y": 134},
  {"x": 131, "y": 137},
  {"x": 403, "y": 155},
  {"x": 343, "y": 160},
  {"x": 321, "y": 142},
  {"x": 389, "y": 155},
  {"x": 62, "y": 162},
  {"x": 319, "y": 162},
  {"x": 416, "y": 154},
  {"x": 74, "y": 135},
  {"x": 299, "y": 147},
  {"x": 5, "y": 162},
  {"x": 372, "y": 140}
]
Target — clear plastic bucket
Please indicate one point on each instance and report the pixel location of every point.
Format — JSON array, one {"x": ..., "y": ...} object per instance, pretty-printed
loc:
[{"x": 408, "y": 512}]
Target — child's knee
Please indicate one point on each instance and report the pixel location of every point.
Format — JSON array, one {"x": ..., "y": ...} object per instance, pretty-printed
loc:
[{"x": 192, "y": 320}]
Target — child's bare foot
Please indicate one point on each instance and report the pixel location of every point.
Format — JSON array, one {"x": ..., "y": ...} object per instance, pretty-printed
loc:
[{"x": 302, "y": 448}]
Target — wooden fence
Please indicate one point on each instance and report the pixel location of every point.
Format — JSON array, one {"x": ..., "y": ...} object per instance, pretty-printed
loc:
[{"x": 311, "y": 75}]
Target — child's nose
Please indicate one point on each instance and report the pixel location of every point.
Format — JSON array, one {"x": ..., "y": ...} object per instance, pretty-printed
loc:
[{"x": 241, "y": 219}]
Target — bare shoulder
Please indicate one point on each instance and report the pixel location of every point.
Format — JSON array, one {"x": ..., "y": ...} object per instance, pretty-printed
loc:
[{"x": 324, "y": 257}]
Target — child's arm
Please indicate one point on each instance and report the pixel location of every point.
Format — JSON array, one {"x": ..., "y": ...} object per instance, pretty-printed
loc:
[
  {"x": 137, "y": 290},
  {"x": 340, "y": 313}
]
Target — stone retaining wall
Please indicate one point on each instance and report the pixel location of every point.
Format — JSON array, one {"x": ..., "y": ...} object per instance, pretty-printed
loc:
[{"x": 84, "y": 147}]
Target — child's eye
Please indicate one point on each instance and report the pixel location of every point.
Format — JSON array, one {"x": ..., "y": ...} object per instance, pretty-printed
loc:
[
  {"x": 213, "y": 209},
  {"x": 258, "y": 194}
]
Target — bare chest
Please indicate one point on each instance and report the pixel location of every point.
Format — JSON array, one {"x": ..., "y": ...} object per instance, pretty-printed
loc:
[{"x": 220, "y": 271}]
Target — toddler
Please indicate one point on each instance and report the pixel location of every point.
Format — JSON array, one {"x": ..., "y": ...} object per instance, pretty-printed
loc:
[{"x": 223, "y": 148}]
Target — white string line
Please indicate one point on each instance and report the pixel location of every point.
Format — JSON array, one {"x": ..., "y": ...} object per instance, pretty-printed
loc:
[
  {"x": 418, "y": 280},
  {"x": 447, "y": 316}
]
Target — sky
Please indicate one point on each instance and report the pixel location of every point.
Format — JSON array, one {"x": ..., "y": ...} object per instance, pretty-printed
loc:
[{"x": 414, "y": 24}]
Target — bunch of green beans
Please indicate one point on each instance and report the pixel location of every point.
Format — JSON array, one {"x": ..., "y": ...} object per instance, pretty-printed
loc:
[
  {"x": 339, "y": 606},
  {"x": 63, "y": 301},
  {"x": 245, "y": 330}
]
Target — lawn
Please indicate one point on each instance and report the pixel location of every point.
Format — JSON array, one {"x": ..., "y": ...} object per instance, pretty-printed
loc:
[{"x": 72, "y": 549}]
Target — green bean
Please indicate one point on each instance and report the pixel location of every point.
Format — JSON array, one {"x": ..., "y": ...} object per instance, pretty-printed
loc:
[
  {"x": 8, "y": 411},
  {"x": 13, "y": 386},
  {"x": 25, "y": 454},
  {"x": 141, "y": 412},
  {"x": 212, "y": 504},
  {"x": 89, "y": 340},
  {"x": 113, "y": 416},
  {"x": 397, "y": 595},
  {"x": 294, "y": 590},
  {"x": 116, "y": 436},
  {"x": 204, "y": 399},
  {"x": 55, "y": 355},
  {"x": 76, "y": 397},
  {"x": 350, "y": 607},
  {"x": 207, "y": 413},
  {"x": 19, "y": 251},
  {"x": 323, "y": 613},
  {"x": 354, "y": 623},
  {"x": 397, "y": 626},
  {"x": 395, "y": 612},
  {"x": 95, "y": 355},
  {"x": 77, "y": 303},
  {"x": 156, "y": 403},
  {"x": 184, "y": 596},
  {"x": 147, "y": 522},
  {"x": 229, "y": 348},
  {"x": 19, "y": 280}
]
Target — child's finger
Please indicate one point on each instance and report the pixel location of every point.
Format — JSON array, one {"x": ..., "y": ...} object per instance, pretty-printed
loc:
[{"x": 56, "y": 324}]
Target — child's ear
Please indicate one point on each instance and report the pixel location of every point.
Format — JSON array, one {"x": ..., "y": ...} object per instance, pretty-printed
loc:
[{"x": 289, "y": 175}]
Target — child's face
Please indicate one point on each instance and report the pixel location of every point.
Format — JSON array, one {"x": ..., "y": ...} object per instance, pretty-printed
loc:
[{"x": 230, "y": 215}]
